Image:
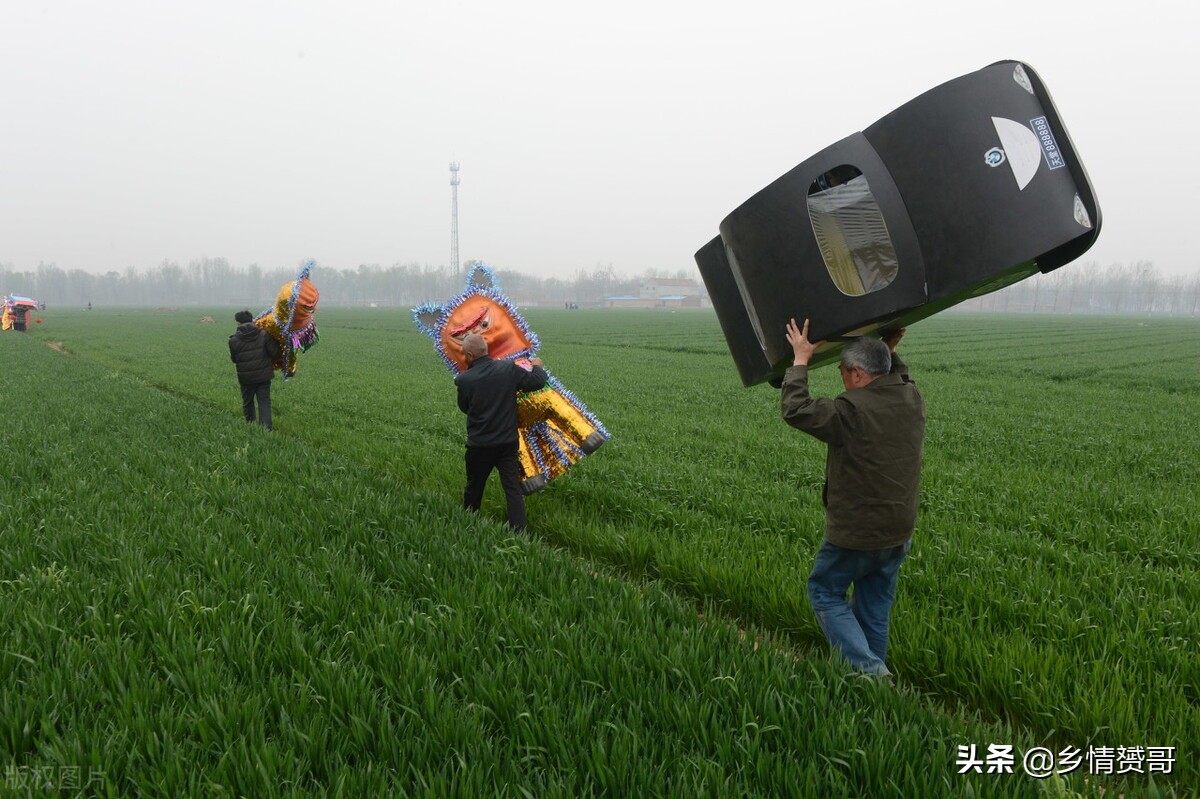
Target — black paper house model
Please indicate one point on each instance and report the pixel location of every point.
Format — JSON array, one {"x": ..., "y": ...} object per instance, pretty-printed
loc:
[{"x": 963, "y": 190}]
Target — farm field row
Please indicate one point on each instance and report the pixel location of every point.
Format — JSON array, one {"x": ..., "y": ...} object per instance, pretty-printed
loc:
[{"x": 1050, "y": 590}]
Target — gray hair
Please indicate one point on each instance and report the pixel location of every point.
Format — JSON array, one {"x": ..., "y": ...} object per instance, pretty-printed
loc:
[
  {"x": 869, "y": 354},
  {"x": 474, "y": 345}
]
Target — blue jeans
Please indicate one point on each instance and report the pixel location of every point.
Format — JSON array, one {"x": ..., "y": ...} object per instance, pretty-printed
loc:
[{"x": 857, "y": 626}]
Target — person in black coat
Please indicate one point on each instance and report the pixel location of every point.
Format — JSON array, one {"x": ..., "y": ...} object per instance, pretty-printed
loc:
[
  {"x": 487, "y": 394},
  {"x": 254, "y": 352}
]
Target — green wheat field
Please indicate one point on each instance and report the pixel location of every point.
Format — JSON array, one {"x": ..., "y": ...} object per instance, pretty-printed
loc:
[{"x": 195, "y": 607}]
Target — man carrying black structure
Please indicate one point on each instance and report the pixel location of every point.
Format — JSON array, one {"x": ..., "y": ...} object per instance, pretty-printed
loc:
[
  {"x": 487, "y": 394},
  {"x": 254, "y": 351},
  {"x": 874, "y": 432}
]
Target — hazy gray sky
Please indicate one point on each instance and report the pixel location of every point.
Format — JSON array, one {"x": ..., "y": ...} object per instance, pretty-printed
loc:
[{"x": 619, "y": 132}]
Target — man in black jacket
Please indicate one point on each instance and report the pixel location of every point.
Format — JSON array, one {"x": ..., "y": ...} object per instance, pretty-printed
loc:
[
  {"x": 254, "y": 352},
  {"x": 487, "y": 394}
]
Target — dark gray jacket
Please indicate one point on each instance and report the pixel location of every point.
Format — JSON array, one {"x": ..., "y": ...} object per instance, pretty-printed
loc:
[
  {"x": 254, "y": 351},
  {"x": 487, "y": 394},
  {"x": 873, "y": 463}
]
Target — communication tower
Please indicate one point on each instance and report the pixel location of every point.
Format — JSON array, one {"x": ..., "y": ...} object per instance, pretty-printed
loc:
[{"x": 454, "y": 262}]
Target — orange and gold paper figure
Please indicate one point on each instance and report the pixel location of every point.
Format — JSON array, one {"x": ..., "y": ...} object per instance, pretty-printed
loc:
[
  {"x": 555, "y": 428},
  {"x": 15, "y": 313},
  {"x": 290, "y": 320}
]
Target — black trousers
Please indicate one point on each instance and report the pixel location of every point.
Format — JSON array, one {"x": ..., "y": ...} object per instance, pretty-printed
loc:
[
  {"x": 480, "y": 462},
  {"x": 263, "y": 392}
]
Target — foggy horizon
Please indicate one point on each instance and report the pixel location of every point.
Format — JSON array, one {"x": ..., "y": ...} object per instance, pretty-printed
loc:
[{"x": 138, "y": 133}]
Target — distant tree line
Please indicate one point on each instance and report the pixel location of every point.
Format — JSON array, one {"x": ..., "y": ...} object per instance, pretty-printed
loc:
[
  {"x": 1076, "y": 288},
  {"x": 1083, "y": 288},
  {"x": 214, "y": 281}
]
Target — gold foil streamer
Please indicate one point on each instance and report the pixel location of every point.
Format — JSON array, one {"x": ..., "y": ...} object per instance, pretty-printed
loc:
[
  {"x": 558, "y": 444},
  {"x": 270, "y": 323}
]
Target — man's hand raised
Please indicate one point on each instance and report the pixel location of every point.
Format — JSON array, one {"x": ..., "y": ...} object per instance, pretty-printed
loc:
[{"x": 802, "y": 348}]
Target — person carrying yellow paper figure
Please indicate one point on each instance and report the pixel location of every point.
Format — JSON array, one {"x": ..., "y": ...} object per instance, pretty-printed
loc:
[
  {"x": 555, "y": 429},
  {"x": 487, "y": 394}
]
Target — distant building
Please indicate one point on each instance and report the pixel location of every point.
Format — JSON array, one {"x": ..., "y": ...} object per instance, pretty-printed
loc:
[
  {"x": 663, "y": 292},
  {"x": 629, "y": 301}
]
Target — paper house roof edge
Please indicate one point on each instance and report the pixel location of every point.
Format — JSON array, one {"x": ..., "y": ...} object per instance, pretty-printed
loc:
[{"x": 1064, "y": 254}]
